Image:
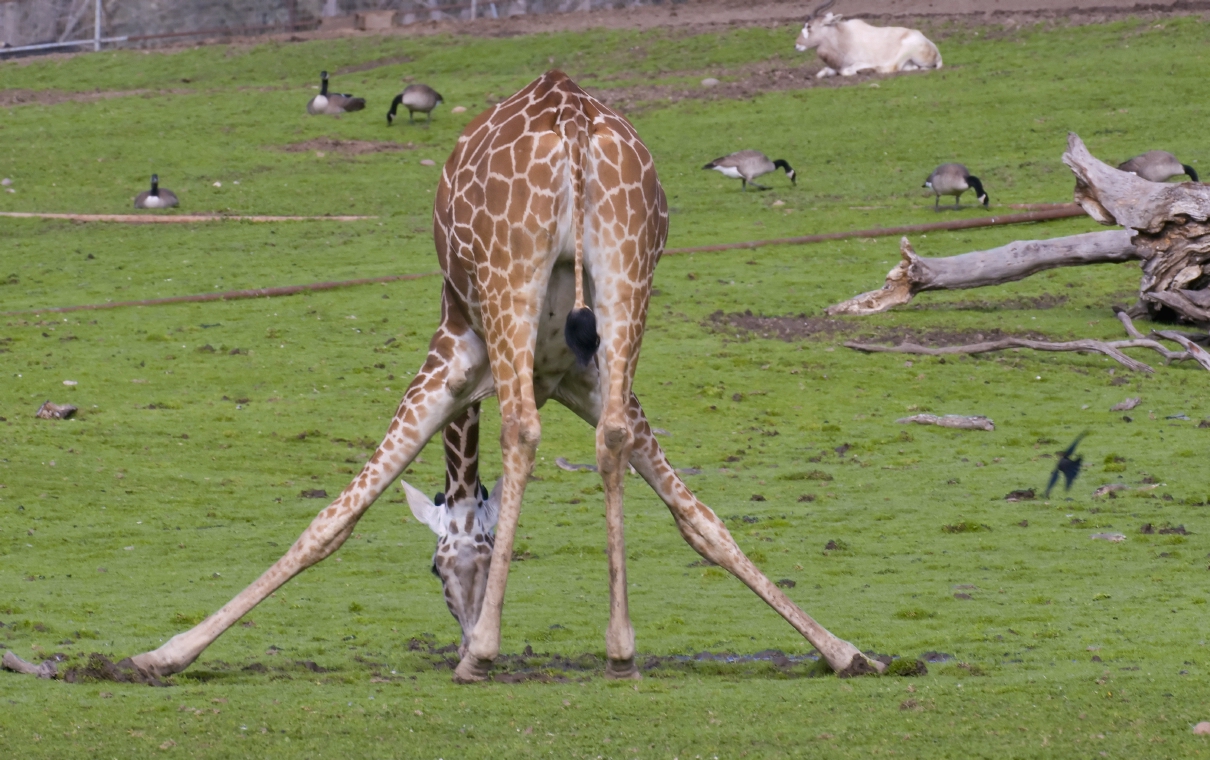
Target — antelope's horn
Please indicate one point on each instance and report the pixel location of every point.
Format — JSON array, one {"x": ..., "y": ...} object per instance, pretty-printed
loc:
[{"x": 821, "y": 8}]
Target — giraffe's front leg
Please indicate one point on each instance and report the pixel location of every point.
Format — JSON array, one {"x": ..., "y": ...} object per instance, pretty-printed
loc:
[
  {"x": 520, "y": 432},
  {"x": 453, "y": 375}
]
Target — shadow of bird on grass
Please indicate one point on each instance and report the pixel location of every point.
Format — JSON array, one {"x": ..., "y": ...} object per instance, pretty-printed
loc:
[{"x": 1068, "y": 465}]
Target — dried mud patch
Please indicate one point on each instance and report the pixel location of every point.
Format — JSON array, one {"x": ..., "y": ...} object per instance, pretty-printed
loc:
[
  {"x": 390, "y": 60},
  {"x": 346, "y": 147},
  {"x": 1023, "y": 303},
  {"x": 101, "y": 668},
  {"x": 940, "y": 337},
  {"x": 789, "y": 328},
  {"x": 742, "y": 83},
  {"x": 22, "y": 97}
]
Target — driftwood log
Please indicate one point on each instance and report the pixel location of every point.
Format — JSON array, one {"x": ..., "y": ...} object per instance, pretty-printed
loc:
[
  {"x": 978, "y": 269},
  {"x": 1167, "y": 228},
  {"x": 1170, "y": 231}
]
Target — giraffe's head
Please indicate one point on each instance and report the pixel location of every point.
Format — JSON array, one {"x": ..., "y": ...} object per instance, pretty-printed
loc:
[{"x": 463, "y": 520}]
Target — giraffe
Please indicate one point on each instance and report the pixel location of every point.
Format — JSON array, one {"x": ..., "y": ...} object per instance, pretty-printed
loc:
[{"x": 548, "y": 221}]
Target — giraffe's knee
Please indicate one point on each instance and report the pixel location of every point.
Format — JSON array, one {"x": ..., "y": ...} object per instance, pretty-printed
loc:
[
  {"x": 520, "y": 432},
  {"x": 617, "y": 433}
]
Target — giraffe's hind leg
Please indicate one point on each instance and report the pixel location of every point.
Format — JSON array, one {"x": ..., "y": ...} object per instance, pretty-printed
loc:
[{"x": 452, "y": 376}]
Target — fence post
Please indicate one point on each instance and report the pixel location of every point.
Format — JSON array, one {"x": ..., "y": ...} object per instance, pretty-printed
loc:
[
  {"x": 474, "y": 8},
  {"x": 96, "y": 28}
]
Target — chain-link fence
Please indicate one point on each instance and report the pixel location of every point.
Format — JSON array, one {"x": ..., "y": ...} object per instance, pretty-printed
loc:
[{"x": 52, "y": 24}]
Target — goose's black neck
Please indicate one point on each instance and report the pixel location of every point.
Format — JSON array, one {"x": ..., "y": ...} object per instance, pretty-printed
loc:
[
  {"x": 977, "y": 186},
  {"x": 323, "y": 84},
  {"x": 155, "y": 185}
]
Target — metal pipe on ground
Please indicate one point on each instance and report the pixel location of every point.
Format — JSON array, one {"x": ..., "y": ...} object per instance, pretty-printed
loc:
[
  {"x": 1063, "y": 211},
  {"x": 176, "y": 218},
  {"x": 230, "y": 295}
]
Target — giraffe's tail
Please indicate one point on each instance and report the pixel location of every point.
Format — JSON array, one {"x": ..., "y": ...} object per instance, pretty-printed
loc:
[{"x": 580, "y": 331}]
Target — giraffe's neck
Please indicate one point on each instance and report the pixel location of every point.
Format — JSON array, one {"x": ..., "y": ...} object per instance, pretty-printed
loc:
[{"x": 461, "y": 441}]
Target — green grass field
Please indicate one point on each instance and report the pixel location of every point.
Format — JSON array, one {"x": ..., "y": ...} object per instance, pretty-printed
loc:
[{"x": 179, "y": 480}]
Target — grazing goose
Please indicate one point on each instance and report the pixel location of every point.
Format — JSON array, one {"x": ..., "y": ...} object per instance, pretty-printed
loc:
[
  {"x": 954, "y": 179},
  {"x": 1158, "y": 166},
  {"x": 747, "y": 165},
  {"x": 156, "y": 197},
  {"x": 415, "y": 97},
  {"x": 334, "y": 103}
]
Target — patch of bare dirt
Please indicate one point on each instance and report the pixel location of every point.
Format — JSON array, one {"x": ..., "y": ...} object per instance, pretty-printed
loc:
[
  {"x": 939, "y": 337},
  {"x": 346, "y": 147},
  {"x": 1024, "y": 303},
  {"x": 789, "y": 328},
  {"x": 741, "y": 83},
  {"x": 101, "y": 668},
  {"x": 377, "y": 63},
  {"x": 22, "y": 97}
]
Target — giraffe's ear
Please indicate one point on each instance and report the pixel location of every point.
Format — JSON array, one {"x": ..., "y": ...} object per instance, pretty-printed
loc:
[
  {"x": 491, "y": 507},
  {"x": 423, "y": 508}
]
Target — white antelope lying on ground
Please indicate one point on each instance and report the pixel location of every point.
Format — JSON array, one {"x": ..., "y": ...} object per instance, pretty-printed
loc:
[{"x": 852, "y": 46}]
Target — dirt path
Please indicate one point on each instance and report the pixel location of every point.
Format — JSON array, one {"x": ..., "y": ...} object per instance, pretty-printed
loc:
[{"x": 705, "y": 15}]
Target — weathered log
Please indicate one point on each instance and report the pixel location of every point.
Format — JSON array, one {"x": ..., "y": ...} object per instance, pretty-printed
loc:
[
  {"x": 978, "y": 269},
  {"x": 977, "y": 422},
  {"x": 1170, "y": 228}
]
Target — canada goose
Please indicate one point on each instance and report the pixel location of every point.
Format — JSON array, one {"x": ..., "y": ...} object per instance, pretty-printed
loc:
[
  {"x": 415, "y": 97},
  {"x": 747, "y": 165},
  {"x": 156, "y": 197},
  {"x": 332, "y": 104},
  {"x": 954, "y": 179},
  {"x": 1158, "y": 166}
]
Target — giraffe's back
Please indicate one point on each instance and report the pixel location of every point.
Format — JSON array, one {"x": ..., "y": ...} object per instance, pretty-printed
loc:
[{"x": 506, "y": 203}]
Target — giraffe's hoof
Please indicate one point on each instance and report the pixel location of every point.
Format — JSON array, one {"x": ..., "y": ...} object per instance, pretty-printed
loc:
[
  {"x": 149, "y": 665},
  {"x": 622, "y": 670},
  {"x": 472, "y": 670},
  {"x": 861, "y": 665}
]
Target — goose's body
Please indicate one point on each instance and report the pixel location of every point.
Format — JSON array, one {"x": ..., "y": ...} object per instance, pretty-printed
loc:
[
  {"x": 1158, "y": 166},
  {"x": 747, "y": 165},
  {"x": 416, "y": 97},
  {"x": 332, "y": 103},
  {"x": 156, "y": 197},
  {"x": 954, "y": 179}
]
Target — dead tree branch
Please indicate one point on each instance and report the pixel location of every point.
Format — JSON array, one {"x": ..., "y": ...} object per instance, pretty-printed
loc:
[
  {"x": 1110, "y": 349},
  {"x": 978, "y": 269},
  {"x": 958, "y": 421},
  {"x": 1170, "y": 228}
]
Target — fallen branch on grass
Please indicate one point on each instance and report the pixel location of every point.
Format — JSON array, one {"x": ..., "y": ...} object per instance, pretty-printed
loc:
[
  {"x": 950, "y": 421},
  {"x": 979, "y": 269},
  {"x": 1170, "y": 228},
  {"x": 1109, "y": 348},
  {"x": 12, "y": 662}
]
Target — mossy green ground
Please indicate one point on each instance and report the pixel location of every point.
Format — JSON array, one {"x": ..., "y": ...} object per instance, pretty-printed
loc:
[{"x": 179, "y": 480}]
